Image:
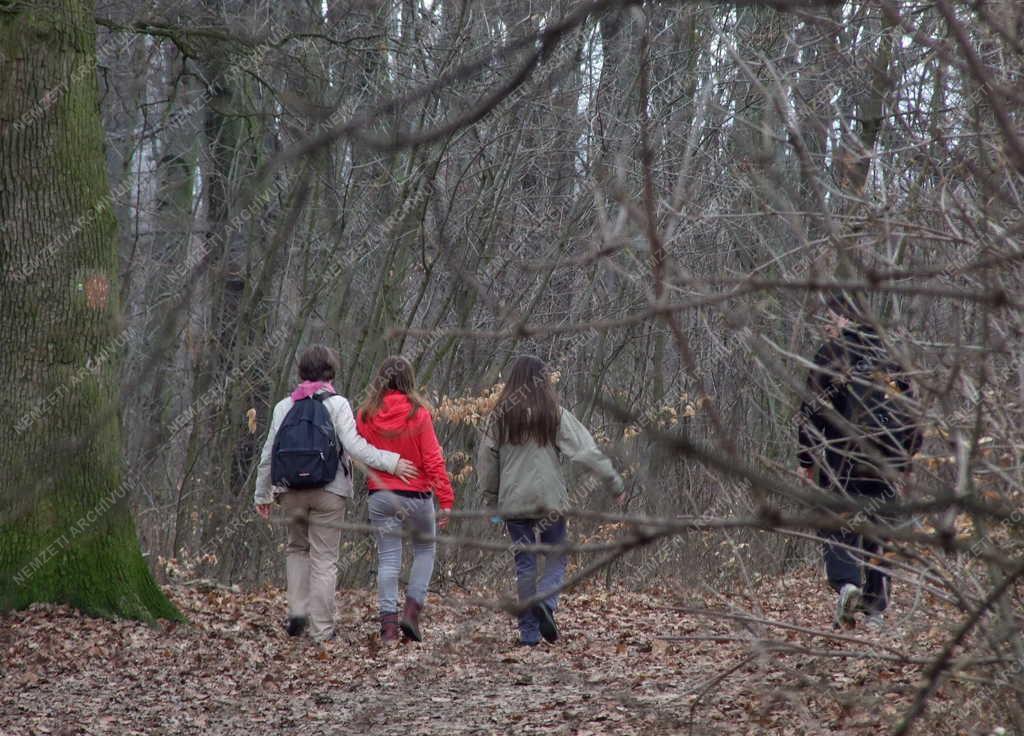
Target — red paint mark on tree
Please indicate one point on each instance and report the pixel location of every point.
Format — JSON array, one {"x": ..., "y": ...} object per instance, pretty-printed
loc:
[{"x": 97, "y": 291}]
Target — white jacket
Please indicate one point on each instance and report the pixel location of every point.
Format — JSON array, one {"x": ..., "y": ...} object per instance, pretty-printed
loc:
[{"x": 354, "y": 446}]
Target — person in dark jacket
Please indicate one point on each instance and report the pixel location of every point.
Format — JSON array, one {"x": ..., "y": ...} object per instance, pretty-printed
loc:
[{"x": 856, "y": 437}]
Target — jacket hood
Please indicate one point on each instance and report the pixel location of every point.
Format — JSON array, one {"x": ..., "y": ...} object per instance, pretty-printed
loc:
[{"x": 394, "y": 412}]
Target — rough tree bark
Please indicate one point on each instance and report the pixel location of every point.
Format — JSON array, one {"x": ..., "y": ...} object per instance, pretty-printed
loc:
[{"x": 66, "y": 533}]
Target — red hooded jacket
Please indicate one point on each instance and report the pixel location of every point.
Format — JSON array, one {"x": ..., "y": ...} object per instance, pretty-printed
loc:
[{"x": 414, "y": 439}]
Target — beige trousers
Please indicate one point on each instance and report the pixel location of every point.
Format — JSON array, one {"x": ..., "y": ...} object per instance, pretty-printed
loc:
[{"x": 314, "y": 533}]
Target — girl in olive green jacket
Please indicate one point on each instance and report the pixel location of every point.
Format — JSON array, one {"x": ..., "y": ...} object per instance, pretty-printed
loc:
[{"x": 520, "y": 473}]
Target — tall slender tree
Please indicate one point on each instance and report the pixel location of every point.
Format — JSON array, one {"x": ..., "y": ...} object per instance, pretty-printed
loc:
[{"x": 66, "y": 533}]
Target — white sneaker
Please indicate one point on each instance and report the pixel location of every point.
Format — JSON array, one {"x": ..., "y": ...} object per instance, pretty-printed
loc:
[
  {"x": 875, "y": 620},
  {"x": 846, "y": 606}
]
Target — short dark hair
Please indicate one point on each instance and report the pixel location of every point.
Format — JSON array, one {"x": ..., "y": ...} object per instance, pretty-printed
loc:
[
  {"x": 846, "y": 305},
  {"x": 318, "y": 363}
]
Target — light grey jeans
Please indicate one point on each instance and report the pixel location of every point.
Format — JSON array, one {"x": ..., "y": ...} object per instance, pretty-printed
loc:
[{"x": 391, "y": 514}]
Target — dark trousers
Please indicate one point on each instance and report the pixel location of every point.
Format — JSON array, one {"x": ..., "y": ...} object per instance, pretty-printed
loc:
[
  {"x": 863, "y": 566},
  {"x": 526, "y": 531},
  {"x": 861, "y": 559}
]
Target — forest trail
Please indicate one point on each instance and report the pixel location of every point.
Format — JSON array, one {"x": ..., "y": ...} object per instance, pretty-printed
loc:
[{"x": 234, "y": 671}]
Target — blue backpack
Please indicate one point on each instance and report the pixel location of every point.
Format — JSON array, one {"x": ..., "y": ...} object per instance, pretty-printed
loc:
[{"x": 307, "y": 452}]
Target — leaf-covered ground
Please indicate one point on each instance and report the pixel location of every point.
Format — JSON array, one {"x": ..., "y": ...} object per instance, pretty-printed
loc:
[{"x": 617, "y": 670}]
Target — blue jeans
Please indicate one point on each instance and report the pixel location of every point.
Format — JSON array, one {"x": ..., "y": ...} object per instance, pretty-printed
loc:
[
  {"x": 844, "y": 565},
  {"x": 526, "y": 531}
]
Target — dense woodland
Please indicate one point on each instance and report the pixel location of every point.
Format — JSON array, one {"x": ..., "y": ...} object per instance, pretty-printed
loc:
[{"x": 654, "y": 197}]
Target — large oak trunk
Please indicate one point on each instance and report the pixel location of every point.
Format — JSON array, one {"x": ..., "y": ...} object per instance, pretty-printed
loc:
[{"x": 66, "y": 534}]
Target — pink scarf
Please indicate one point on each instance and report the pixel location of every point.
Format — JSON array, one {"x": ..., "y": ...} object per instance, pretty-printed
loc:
[{"x": 307, "y": 388}]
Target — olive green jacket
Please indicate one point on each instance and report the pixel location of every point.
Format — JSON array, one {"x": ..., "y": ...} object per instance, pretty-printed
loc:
[{"x": 523, "y": 477}]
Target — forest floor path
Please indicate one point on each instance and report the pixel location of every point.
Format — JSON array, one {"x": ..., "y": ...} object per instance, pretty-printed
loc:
[{"x": 616, "y": 670}]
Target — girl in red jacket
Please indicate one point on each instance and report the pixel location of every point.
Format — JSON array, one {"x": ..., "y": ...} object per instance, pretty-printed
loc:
[{"x": 396, "y": 417}]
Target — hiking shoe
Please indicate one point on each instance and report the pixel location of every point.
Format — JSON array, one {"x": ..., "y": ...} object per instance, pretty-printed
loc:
[
  {"x": 522, "y": 643},
  {"x": 546, "y": 619},
  {"x": 846, "y": 606},
  {"x": 295, "y": 625},
  {"x": 875, "y": 620},
  {"x": 389, "y": 627},
  {"x": 411, "y": 620}
]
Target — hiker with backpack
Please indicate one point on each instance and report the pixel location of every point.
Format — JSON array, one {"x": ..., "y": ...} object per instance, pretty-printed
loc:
[
  {"x": 519, "y": 471},
  {"x": 395, "y": 416},
  {"x": 856, "y": 437},
  {"x": 305, "y": 467}
]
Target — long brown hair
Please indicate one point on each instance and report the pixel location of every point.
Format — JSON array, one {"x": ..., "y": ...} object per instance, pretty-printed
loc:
[
  {"x": 527, "y": 408},
  {"x": 395, "y": 374}
]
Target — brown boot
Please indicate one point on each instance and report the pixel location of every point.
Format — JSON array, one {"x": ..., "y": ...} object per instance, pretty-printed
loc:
[
  {"x": 411, "y": 620},
  {"x": 389, "y": 627}
]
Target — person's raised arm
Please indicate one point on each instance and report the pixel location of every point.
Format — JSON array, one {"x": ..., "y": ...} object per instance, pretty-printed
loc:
[
  {"x": 353, "y": 442},
  {"x": 578, "y": 445}
]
